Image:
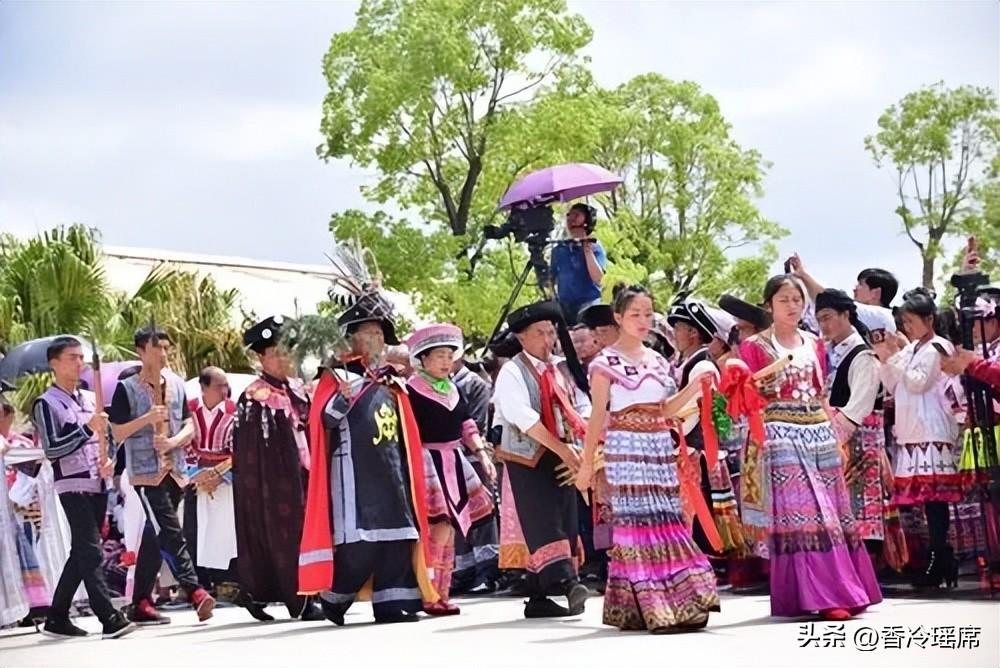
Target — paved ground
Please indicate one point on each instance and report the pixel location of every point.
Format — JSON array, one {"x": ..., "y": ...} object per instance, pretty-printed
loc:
[{"x": 491, "y": 632}]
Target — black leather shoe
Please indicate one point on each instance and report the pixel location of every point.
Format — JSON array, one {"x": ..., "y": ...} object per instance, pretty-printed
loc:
[
  {"x": 334, "y": 612},
  {"x": 539, "y": 608},
  {"x": 256, "y": 610},
  {"x": 577, "y": 599},
  {"x": 312, "y": 612},
  {"x": 396, "y": 618}
]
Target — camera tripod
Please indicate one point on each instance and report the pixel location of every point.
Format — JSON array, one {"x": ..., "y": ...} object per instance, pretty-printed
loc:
[
  {"x": 537, "y": 263},
  {"x": 982, "y": 421}
]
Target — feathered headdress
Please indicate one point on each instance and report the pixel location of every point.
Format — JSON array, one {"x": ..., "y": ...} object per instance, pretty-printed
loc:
[{"x": 357, "y": 291}]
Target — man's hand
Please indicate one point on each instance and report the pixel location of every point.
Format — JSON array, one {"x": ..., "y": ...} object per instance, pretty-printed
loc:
[
  {"x": 955, "y": 365},
  {"x": 795, "y": 264},
  {"x": 156, "y": 415},
  {"x": 162, "y": 444},
  {"x": 106, "y": 469},
  {"x": 971, "y": 261},
  {"x": 98, "y": 422},
  {"x": 207, "y": 481},
  {"x": 570, "y": 457}
]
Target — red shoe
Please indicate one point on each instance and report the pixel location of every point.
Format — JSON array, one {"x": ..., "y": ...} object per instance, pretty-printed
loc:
[
  {"x": 203, "y": 603},
  {"x": 144, "y": 614},
  {"x": 858, "y": 610},
  {"x": 441, "y": 609},
  {"x": 835, "y": 615}
]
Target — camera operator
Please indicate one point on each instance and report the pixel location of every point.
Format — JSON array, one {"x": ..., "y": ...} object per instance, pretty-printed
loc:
[
  {"x": 986, "y": 370},
  {"x": 578, "y": 263}
]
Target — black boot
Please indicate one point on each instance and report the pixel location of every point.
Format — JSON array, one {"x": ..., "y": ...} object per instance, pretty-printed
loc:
[{"x": 256, "y": 610}]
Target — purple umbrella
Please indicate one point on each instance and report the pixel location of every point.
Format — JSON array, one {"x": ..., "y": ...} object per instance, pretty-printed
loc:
[
  {"x": 562, "y": 182},
  {"x": 109, "y": 377}
]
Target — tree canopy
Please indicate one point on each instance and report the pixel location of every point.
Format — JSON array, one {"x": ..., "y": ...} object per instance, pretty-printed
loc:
[
  {"x": 940, "y": 142},
  {"x": 451, "y": 102}
]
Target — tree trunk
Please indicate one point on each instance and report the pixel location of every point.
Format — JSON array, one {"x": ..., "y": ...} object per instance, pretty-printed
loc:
[{"x": 928, "y": 270}]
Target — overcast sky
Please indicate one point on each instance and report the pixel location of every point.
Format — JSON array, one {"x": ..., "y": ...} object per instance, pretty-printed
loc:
[{"x": 193, "y": 126}]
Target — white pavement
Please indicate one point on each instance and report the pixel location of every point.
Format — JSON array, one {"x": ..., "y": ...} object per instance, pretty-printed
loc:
[{"x": 491, "y": 632}]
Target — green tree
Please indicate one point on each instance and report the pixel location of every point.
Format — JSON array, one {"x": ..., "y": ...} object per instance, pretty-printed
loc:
[
  {"x": 688, "y": 199},
  {"x": 421, "y": 90},
  {"x": 51, "y": 284},
  {"x": 940, "y": 142}
]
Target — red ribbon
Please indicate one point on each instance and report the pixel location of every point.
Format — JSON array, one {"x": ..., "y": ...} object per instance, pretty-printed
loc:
[
  {"x": 743, "y": 398},
  {"x": 709, "y": 435},
  {"x": 552, "y": 392},
  {"x": 691, "y": 495}
]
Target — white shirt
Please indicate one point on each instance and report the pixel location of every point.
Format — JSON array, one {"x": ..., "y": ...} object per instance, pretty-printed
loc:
[
  {"x": 510, "y": 394},
  {"x": 863, "y": 378},
  {"x": 923, "y": 412}
]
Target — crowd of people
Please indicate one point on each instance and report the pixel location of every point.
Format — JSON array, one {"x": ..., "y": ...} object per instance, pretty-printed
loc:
[{"x": 657, "y": 458}]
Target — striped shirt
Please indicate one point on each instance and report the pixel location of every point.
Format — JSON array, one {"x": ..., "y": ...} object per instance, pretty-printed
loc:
[{"x": 213, "y": 433}]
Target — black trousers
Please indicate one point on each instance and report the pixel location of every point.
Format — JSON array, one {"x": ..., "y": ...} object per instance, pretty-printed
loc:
[
  {"x": 160, "y": 503},
  {"x": 388, "y": 563},
  {"x": 208, "y": 577},
  {"x": 549, "y": 521},
  {"x": 85, "y": 514}
]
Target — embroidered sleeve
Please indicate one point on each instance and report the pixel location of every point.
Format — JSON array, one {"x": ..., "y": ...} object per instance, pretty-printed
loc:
[
  {"x": 753, "y": 355},
  {"x": 58, "y": 441}
]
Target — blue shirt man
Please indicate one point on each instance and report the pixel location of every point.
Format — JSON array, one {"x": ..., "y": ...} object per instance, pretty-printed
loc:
[{"x": 578, "y": 264}]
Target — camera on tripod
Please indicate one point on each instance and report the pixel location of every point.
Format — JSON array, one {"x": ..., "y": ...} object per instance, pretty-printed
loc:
[{"x": 533, "y": 222}]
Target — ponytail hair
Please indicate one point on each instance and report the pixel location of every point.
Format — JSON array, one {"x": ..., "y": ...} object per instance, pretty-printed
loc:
[{"x": 622, "y": 295}]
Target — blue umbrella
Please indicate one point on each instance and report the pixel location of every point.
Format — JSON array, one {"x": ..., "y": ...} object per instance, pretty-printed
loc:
[{"x": 31, "y": 357}]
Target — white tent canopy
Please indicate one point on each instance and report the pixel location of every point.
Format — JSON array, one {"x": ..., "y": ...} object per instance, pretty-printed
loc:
[{"x": 266, "y": 288}]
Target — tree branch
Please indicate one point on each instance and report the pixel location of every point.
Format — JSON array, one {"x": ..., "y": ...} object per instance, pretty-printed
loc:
[{"x": 547, "y": 70}]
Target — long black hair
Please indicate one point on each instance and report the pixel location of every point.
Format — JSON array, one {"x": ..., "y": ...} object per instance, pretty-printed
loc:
[{"x": 920, "y": 302}]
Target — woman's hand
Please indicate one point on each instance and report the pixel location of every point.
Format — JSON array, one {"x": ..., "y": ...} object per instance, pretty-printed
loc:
[
  {"x": 585, "y": 476},
  {"x": 489, "y": 470}
]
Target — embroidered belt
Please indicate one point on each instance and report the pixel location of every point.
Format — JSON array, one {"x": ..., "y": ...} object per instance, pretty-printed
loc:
[{"x": 640, "y": 417}]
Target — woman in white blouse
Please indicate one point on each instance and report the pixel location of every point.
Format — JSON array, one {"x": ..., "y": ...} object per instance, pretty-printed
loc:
[{"x": 925, "y": 462}]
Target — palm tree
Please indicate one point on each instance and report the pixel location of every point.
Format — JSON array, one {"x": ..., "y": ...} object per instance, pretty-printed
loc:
[
  {"x": 55, "y": 284},
  {"x": 51, "y": 284}
]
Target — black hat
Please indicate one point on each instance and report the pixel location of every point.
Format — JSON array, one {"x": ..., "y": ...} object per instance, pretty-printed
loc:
[
  {"x": 990, "y": 292},
  {"x": 504, "y": 344},
  {"x": 524, "y": 317},
  {"x": 837, "y": 300},
  {"x": 370, "y": 307},
  {"x": 745, "y": 311},
  {"x": 598, "y": 315},
  {"x": 268, "y": 332},
  {"x": 692, "y": 312}
]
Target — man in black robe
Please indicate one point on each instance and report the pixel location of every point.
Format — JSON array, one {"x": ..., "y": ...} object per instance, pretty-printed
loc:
[
  {"x": 372, "y": 469},
  {"x": 270, "y": 452}
]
